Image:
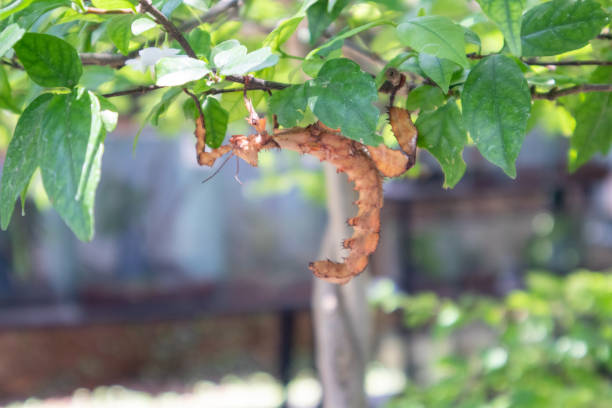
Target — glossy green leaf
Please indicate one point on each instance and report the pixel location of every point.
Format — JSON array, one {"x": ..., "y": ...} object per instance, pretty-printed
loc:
[
  {"x": 72, "y": 137},
  {"x": 439, "y": 70},
  {"x": 342, "y": 96},
  {"x": 282, "y": 33},
  {"x": 442, "y": 134},
  {"x": 216, "y": 122},
  {"x": 119, "y": 31},
  {"x": 9, "y": 36},
  {"x": 251, "y": 62},
  {"x": 435, "y": 35},
  {"x": 27, "y": 17},
  {"x": 507, "y": 15},
  {"x": 289, "y": 105},
  {"x": 226, "y": 52},
  {"x": 319, "y": 17},
  {"x": 48, "y": 60},
  {"x": 13, "y": 8},
  {"x": 424, "y": 98},
  {"x": 559, "y": 26},
  {"x": 593, "y": 131},
  {"x": 23, "y": 156},
  {"x": 496, "y": 103},
  {"x": 179, "y": 70}
]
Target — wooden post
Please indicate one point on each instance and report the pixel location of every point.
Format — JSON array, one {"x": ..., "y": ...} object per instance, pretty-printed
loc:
[{"x": 340, "y": 313}]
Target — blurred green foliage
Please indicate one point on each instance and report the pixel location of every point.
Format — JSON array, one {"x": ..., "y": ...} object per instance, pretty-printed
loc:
[{"x": 547, "y": 345}]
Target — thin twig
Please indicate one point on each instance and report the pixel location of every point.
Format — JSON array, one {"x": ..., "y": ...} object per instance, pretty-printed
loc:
[
  {"x": 558, "y": 93},
  {"x": 162, "y": 20},
  {"x": 256, "y": 83},
  {"x": 95, "y": 10},
  {"x": 197, "y": 104},
  {"x": 141, "y": 90},
  {"x": 102, "y": 58}
]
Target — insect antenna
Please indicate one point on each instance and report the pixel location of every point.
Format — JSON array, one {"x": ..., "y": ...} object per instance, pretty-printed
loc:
[{"x": 218, "y": 169}]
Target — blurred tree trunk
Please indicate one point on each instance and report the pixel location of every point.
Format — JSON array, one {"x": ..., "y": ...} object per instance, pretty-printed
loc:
[{"x": 341, "y": 315}]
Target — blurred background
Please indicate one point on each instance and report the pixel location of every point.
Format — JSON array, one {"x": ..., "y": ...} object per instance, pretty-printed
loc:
[{"x": 198, "y": 294}]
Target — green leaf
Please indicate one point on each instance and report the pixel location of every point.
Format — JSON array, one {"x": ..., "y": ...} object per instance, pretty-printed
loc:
[
  {"x": 226, "y": 52},
  {"x": 342, "y": 96},
  {"x": 23, "y": 156},
  {"x": 14, "y": 7},
  {"x": 496, "y": 103},
  {"x": 179, "y": 70},
  {"x": 48, "y": 60},
  {"x": 442, "y": 133},
  {"x": 6, "y": 95},
  {"x": 9, "y": 36},
  {"x": 72, "y": 137},
  {"x": 119, "y": 30},
  {"x": 27, "y": 17},
  {"x": 507, "y": 15},
  {"x": 112, "y": 4},
  {"x": 199, "y": 40},
  {"x": 439, "y": 70},
  {"x": 251, "y": 62},
  {"x": 435, "y": 35},
  {"x": 424, "y": 98},
  {"x": 593, "y": 131},
  {"x": 319, "y": 18},
  {"x": 142, "y": 25},
  {"x": 289, "y": 105},
  {"x": 559, "y": 26},
  {"x": 233, "y": 103},
  {"x": 282, "y": 33},
  {"x": 216, "y": 122},
  {"x": 471, "y": 37}
]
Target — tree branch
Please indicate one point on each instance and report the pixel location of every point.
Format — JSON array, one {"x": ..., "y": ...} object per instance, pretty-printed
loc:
[
  {"x": 102, "y": 58},
  {"x": 135, "y": 91},
  {"x": 256, "y": 83},
  {"x": 558, "y": 93},
  {"x": 162, "y": 20}
]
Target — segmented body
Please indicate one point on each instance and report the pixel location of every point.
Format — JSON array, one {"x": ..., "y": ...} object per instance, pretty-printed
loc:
[{"x": 358, "y": 161}]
